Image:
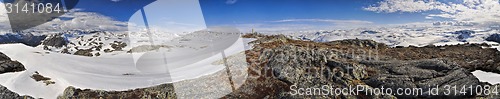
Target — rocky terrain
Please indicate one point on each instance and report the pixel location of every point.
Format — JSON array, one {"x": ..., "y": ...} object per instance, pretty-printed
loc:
[
  {"x": 8, "y": 65},
  {"x": 286, "y": 62},
  {"x": 164, "y": 91},
  {"x": 277, "y": 63}
]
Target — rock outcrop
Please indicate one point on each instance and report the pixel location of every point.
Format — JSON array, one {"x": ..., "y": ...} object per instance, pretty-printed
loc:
[
  {"x": 164, "y": 91},
  {"x": 469, "y": 56},
  {"x": 279, "y": 64},
  {"x": 84, "y": 52},
  {"x": 494, "y": 38},
  {"x": 118, "y": 45},
  {"x": 7, "y": 94},
  {"x": 424, "y": 75},
  {"x": 56, "y": 40},
  {"x": 8, "y": 65}
]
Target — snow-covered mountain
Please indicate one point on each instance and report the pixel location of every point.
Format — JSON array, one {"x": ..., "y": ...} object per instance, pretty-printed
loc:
[
  {"x": 111, "y": 65},
  {"x": 404, "y": 36}
]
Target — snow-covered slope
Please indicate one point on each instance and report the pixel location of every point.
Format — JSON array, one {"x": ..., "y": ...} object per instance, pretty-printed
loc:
[{"x": 109, "y": 72}]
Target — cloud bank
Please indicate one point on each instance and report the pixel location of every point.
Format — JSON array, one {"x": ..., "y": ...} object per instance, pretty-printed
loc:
[{"x": 484, "y": 12}]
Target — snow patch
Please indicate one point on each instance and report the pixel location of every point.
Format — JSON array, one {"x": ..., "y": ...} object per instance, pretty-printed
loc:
[{"x": 489, "y": 77}]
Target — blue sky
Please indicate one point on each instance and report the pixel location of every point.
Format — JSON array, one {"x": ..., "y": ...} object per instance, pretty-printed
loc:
[
  {"x": 217, "y": 12},
  {"x": 288, "y": 14}
]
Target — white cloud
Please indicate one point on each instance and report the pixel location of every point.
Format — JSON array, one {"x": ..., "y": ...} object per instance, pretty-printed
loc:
[
  {"x": 391, "y": 6},
  {"x": 478, "y": 11},
  {"x": 343, "y": 22},
  {"x": 82, "y": 20},
  {"x": 115, "y": 0}
]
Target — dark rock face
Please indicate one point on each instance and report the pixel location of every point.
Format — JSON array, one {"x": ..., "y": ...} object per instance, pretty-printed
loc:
[
  {"x": 7, "y": 65},
  {"x": 7, "y": 94},
  {"x": 25, "y": 38},
  {"x": 56, "y": 40},
  {"x": 469, "y": 56},
  {"x": 10, "y": 66},
  {"x": 494, "y": 38},
  {"x": 164, "y": 91},
  {"x": 422, "y": 74}
]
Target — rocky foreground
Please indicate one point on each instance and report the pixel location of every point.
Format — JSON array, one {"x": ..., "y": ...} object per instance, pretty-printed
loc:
[{"x": 277, "y": 64}]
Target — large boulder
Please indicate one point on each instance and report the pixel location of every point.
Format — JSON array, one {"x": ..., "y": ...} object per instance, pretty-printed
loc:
[
  {"x": 424, "y": 75},
  {"x": 10, "y": 66},
  {"x": 7, "y": 65},
  {"x": 494, "y": 38}
]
